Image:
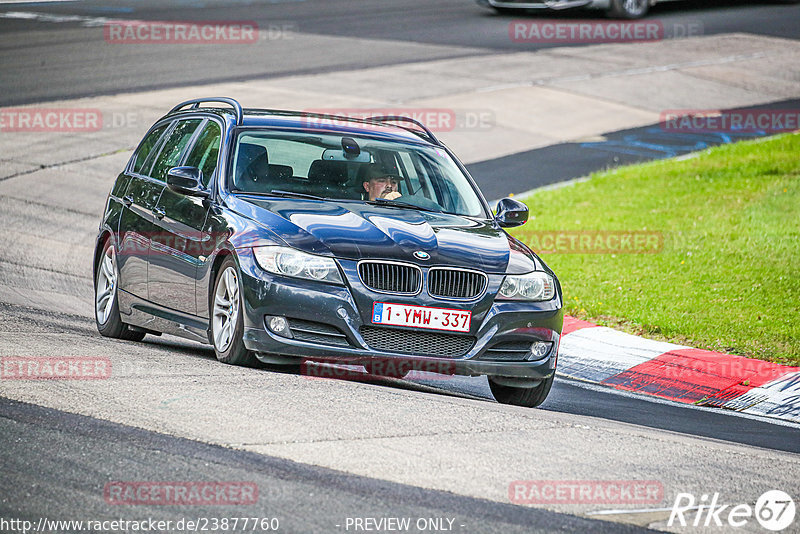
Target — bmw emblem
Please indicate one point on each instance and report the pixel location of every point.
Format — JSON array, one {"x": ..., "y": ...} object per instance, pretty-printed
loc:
[{"x": 422, "y": 255}]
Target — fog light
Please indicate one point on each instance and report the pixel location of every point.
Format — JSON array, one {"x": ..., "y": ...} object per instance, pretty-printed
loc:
[
  {"x": 279, "y": 326},
  {"x": 539, "y": 350}
]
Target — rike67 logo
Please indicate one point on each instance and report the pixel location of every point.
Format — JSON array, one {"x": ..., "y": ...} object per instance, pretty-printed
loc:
[{"x": 774, "y": 510}]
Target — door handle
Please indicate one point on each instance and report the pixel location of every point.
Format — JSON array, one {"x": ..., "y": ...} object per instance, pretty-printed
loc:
[
  {"x": 158, "y": 213},
  {"x": 127, "y": 200}
]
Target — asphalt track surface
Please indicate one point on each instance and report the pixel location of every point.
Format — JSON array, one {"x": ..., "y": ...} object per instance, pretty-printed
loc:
[
  {"x": 303, "y": 498},
  {"x": 56, "y": 463},
  {"x": 44, "y": 61}
]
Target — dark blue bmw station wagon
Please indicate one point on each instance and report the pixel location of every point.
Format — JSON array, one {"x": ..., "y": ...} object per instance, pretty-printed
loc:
[{"x": 284, "y": 237}]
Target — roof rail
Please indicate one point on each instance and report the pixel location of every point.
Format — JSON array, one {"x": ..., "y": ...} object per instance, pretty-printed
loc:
[
  {"x": 224, "y": 99},
  {"x": 400, "y": 118}
]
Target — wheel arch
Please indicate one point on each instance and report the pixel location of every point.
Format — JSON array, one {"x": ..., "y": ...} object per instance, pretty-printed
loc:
[{"x": 104, "y": 235}]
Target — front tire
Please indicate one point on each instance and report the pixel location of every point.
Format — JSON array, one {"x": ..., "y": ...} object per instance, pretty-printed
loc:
[
  {"x": 227, "y": 318},
  {"x": 521, "y": 396},
  {"x": 106, "y": 305},
  {"x": 629, "y": 9}
]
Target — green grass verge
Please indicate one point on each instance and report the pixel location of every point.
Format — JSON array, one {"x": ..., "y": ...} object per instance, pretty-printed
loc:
[{"x": 727, "y": 277}]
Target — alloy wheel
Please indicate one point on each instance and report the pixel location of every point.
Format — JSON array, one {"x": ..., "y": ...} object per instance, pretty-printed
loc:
[
  {"x": 635, "y": 7},
  {"x": 106, "y": 286},
  {"x": 226, "y": 309}
]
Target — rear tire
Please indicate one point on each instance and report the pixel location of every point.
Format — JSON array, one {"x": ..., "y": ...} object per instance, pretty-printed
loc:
[
  {"x": 106, "y": 305},
  {"x": 516, "y": 396},
  {"x": 227, "y": 318},
  {"x": 629, "y": 9}
]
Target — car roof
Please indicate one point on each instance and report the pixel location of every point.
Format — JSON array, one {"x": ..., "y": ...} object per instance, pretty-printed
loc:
[{"x": 317, "y": 122}]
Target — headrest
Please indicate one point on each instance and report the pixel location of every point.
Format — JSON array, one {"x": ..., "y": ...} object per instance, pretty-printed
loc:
[
  {"x": 328, "y": 172},
  {"x": 280, "y": 173},
  {"x": 252, "y": 165}
]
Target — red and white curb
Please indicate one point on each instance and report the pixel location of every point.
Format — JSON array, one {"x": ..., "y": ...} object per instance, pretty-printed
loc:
[{"x": 623, "y": 361}]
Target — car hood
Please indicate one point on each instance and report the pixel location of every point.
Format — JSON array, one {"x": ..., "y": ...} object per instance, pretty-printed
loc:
[{"x": 356, "y": 231}]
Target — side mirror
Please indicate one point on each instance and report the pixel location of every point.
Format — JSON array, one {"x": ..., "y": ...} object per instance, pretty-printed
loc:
[
  {"x": 187, "y": 181},
  {"x": 511, "y": 213}
]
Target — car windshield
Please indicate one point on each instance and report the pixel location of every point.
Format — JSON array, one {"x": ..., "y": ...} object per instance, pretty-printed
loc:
[{"x": 358, "y": 169}]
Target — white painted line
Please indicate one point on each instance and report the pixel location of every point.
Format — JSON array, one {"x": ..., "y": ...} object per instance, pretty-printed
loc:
[
  {"x": 269, "y": 33},
  {"x": 35, "y": 1},
  {"x": 639, "y": 511},
  {"x": 46, "y": 17}
]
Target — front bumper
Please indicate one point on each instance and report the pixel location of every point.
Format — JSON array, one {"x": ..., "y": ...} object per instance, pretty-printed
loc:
[{"x": 346, "y": 309}]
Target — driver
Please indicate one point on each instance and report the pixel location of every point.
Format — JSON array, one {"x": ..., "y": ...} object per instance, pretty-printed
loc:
[{"x": 379, "y": 184}]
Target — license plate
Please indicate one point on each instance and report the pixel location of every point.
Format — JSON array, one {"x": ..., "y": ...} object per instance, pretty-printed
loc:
[{"x": 421, "y": 317}]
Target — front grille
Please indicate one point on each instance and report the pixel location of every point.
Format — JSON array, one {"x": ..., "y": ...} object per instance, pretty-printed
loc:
[
  {"x": 390, "y": 277},
  {"x": 417, "y": 343},
  {"x": 312, "y": 332},
  {"x": 508, "y": 351},
  {"x": 455, "y": 283}
]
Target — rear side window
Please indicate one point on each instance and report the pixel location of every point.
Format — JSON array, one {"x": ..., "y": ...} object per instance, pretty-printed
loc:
[
  {"x": 205, "y": 151},
  {"x": 173, "y": 148},
  {"x": 149, "y": 143}
]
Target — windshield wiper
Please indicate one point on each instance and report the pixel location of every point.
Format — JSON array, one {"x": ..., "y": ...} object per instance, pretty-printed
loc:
[
  {"x": 292, "y": 194},
  {"x": 399, "y": 203},
  {"x": 281, "y": 193}
]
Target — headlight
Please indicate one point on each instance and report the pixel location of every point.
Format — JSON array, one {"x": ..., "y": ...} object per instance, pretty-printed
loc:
[
  {"x": 290, "y": 262},
  {"x": 533, "y": 286}
]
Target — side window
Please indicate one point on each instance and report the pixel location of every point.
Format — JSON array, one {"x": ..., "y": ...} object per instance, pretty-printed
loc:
[
  {"x": 173, "y": 148},
  {"x": 149, "y": 143},
  {"x": 419, "y": 176},
  {"x": 205, "y": 151}
]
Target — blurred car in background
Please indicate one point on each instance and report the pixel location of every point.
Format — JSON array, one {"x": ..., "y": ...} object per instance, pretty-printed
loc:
[
  {"x": 621, "y": 9},
  {"x": 624, "y": 9}
]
